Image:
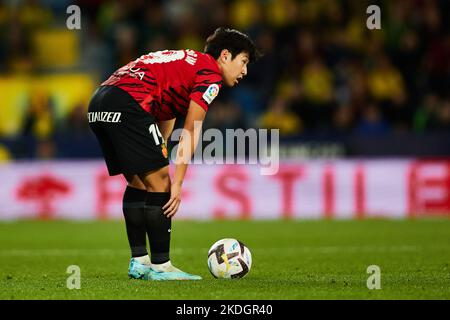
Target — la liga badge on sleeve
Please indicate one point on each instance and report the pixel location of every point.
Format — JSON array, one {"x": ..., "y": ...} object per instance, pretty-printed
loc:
[{"x": 211, "y": 93}]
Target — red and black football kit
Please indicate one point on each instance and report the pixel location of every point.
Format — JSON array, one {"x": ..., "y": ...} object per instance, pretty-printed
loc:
[{"x": 125, "y": 109}]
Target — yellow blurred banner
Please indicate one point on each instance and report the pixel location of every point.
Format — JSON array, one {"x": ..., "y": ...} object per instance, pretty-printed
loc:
[
  {"x": 63, "y": 93},
  {"x": 56, "y": 48}
]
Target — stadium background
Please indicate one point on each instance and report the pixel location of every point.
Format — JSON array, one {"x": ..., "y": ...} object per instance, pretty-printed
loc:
[{"x": 340, "y": 94}]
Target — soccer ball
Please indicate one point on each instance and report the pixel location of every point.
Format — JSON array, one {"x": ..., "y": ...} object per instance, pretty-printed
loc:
[{"x": 229, "y": 258}]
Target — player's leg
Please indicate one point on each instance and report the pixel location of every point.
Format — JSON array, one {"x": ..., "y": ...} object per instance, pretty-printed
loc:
[
  {"x": 109, "y": 135},
  {"x": 159, "y": 226},
  {"x": 140, "y": 150},
  {"x": 133, "y": 210}
]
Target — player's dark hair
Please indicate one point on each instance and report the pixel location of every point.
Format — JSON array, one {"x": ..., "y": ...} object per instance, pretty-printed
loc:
[{"x": 232, "y": 40}]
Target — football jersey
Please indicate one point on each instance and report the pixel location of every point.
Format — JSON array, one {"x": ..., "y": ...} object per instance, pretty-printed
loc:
[{"x": 164, "y": 82}]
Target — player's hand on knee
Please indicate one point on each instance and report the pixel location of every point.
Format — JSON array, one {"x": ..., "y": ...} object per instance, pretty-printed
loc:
[{"x": 171, "y": 207}]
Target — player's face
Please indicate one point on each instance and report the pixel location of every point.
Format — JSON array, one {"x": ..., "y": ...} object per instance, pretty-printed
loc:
[{"x": 235, "y": 69}]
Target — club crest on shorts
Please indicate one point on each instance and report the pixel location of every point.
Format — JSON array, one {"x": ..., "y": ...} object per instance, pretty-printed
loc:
[
  {"x": 164, "y": 150},
  {"x": 211, "y": 93}
]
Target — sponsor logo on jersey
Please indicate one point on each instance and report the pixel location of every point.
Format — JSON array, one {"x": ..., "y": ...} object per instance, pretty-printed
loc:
[
  {"x": 211, "y": 93},
  {"x": 113, "y": 117}
]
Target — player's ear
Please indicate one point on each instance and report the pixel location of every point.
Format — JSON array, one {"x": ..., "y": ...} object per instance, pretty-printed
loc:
[{"x": 225, "y": 55}]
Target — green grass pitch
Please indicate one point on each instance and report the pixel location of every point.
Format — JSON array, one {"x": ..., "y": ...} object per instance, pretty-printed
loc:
[{"x": 322, "y": 259}]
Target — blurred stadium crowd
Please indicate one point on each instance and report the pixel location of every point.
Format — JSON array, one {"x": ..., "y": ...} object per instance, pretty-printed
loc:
[{"x": 323, "y": 72}]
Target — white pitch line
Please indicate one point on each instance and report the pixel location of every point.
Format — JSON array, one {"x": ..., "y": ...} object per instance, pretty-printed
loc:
[
  {"x": 67, "y": 252},
  {"x": 341, "y": 249},
  {"x": 290, "y": 249}
]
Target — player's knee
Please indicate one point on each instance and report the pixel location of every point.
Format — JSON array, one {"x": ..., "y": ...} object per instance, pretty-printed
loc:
[
  {"x": 135, "y": 182},
  {"x": 158, "y": 181}
]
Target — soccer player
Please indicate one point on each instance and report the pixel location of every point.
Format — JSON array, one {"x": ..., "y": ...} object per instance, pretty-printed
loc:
[{"x": 133, "y": 114}]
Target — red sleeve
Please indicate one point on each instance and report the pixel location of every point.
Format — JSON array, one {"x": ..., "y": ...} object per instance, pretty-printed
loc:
[{"x": 206, "y": 87}]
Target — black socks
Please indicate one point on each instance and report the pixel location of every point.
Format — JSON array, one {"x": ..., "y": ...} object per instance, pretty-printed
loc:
[
  {"x": 144, "y": 215},
  {"x": 133, "y": 211},
  {"x": 158, "y": 226}
]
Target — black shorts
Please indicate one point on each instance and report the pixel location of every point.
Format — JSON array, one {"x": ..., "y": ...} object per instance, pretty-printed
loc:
[{"x": 129, "y": 137}]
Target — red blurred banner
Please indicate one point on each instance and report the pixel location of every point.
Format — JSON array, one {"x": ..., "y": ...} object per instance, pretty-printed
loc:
[{"x": 342, "y": 189}]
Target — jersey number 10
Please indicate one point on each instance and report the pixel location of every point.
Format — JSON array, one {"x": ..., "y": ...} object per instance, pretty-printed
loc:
[{"x": 154, "y": 130}]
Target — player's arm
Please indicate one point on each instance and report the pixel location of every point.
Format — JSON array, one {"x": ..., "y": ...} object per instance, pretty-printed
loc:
[{"x": 186, "y": 148}]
